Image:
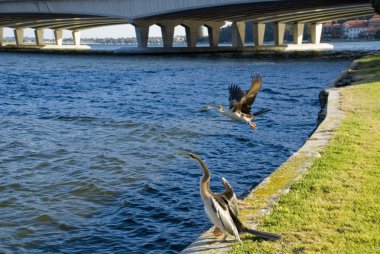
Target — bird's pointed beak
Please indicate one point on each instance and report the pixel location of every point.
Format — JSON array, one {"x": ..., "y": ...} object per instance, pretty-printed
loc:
[
  {"x": 185, "y": 154},
  {"x": 204, "y": 108}
]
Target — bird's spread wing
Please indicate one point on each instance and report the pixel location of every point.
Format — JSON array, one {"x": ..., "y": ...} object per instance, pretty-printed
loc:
[
  {"x": 223, "y": 215},
  {"x": 229, "y": 192},
  {"x": 235, "y": 95},
  {"x": 230, "y": 196},
  {"x": 248, "y": 99}
]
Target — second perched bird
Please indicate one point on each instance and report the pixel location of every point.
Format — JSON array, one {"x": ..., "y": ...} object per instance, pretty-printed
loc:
[
  {"x": 241, "y": 103},
  {"x": 221, "y": 209}
]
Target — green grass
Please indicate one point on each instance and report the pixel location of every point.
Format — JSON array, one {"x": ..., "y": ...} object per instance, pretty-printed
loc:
[{"x": 335, "y": 207}]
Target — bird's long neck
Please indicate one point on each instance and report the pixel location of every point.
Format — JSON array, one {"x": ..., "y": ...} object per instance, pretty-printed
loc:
[
  {"x": 221, "y": 109},
  {"x": 205, "y": 180}
]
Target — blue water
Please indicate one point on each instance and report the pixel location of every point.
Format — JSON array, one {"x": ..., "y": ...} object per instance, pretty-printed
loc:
[{"x": 88, "y": 144}]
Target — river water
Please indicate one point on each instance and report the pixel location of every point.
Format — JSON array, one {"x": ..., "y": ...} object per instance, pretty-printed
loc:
[{"x": 88, "y": 144}]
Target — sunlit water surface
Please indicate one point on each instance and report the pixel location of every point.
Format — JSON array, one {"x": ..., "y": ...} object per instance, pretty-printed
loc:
[{"x": 88, "y": 159}]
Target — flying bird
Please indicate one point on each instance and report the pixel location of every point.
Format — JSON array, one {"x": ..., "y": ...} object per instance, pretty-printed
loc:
[
  {"x": 221, "y": 209},
  {"x": 240, "y": 103}
]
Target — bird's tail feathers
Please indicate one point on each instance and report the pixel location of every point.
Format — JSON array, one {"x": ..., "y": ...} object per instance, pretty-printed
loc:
[
  {"x": 243, "y": 229},
  {"x": 262, "y": 111},
  {"x": 265, "y": 235}
]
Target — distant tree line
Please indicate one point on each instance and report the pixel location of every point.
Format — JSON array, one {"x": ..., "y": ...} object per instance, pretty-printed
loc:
[
  {"x": 377, "y": 35},
  {"x": 376, "y": 5}
]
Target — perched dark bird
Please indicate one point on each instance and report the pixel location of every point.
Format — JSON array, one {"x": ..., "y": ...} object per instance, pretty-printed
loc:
[
  {"x": 241, "y": 103},
  {"x": 230, "y": 196},
  {"x": 221, "y": 209}
]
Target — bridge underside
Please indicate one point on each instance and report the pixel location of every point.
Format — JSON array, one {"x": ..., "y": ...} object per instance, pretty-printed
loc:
[
  {"x": 279, "y": 13},
  {"x": 267, "y": 11}
]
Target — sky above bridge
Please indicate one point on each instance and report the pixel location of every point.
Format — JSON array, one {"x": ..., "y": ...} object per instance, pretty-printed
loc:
[{"x": 117, "y": 31}]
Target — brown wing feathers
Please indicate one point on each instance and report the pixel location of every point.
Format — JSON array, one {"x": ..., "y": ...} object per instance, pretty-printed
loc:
[
  {"x": 236, "y": 94},
  {"x": 248, "y": 99}
]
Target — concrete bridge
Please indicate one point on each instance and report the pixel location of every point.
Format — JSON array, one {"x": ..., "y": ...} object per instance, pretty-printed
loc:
[{"x": 77, "y": 15}]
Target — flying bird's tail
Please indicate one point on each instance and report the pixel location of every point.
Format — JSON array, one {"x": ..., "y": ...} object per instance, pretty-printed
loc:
[
  {"x": 262, "y": 111},
  {"x": 265, "y": 235}
]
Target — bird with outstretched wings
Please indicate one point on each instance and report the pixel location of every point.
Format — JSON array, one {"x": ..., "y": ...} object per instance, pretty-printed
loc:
[{"x": 240, "y": 101}]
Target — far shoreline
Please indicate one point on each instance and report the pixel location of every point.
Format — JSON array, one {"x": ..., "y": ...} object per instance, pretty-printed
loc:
[{"x": 201, "y": 51}]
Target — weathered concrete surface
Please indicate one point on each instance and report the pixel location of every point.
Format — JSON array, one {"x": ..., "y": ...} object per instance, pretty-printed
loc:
[{"x": 262, "y": 198}]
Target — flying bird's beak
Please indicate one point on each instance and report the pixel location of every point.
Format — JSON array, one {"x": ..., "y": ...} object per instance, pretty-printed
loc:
[
  {"x": 204, "y": 108},
  {"x": 185, "y": 154}
]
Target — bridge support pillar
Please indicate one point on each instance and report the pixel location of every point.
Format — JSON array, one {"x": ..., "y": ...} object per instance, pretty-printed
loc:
[
  {"x": 298, "y": 29},
  {"x": 39, "y": 35},
  {"x": 238, "y": 34},
  {"x": 142, "y": 35},
  {"x": 279, "y": 31},
  {"x": 76, "y": 37},
  {"x": 258, "y": 33},
  {"x": 1, "y": 36},
  {"x": 213, "y": 30},
  {"x": 316, "y": 32},
  {"x": 58, "y": 37},
  {"x": 192, "y": 33},
  {"x": 167, "y": 31},
  {"x": 19, "y": 36}
]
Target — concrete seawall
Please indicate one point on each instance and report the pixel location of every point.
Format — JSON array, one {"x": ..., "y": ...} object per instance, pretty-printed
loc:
[
  {"x": 259, "y": 52},
  {"x": 262, "y": 198}
]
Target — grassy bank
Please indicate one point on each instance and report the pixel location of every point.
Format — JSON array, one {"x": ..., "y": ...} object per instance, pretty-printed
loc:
[{"x": 335, "y": 207}]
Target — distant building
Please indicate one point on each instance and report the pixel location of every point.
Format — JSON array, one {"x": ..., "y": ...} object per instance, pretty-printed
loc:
[
  {"x": 374, "y": 21},
  {"x": 331, "y": 31},
  {"x": 353, "y": 28},
  {"x": 369, "y": 33}
]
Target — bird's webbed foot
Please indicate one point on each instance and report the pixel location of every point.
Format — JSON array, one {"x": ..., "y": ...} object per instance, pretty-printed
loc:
[
  {"x": 217, "y": 232},
  {"x": 253, "y": 125},
  {"x": 224, "y": 238}
]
